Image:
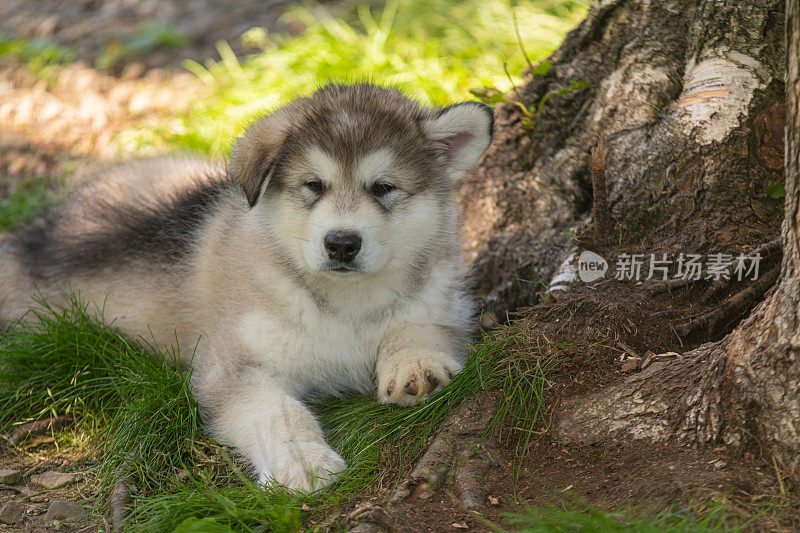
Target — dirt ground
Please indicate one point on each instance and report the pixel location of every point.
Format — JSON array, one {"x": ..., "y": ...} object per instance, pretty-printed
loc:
[
  {"x": 50, "y": 130},
  {"x": 92, "y": 26},
  {"x": 649, "y": 477}
]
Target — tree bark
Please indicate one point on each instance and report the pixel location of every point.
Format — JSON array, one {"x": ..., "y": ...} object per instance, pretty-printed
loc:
[{"x": 690, "y": 98}]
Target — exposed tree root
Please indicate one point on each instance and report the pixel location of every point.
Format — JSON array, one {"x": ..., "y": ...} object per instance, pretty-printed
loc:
[
  {"x": 119, "y": 502},
  {"x": 675, "y": 399},
  {"x": 456, "y": 451},
  {"x": 766, "y": 251},
  {"x": 669, "y": 285},
  {"x": 669, "y": 161},
  {"x": 716, "y": 320},
  {"x": 459, "y": 454}
]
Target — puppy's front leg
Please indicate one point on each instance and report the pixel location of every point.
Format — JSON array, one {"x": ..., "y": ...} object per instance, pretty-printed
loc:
[
  {"x": 279, "y": 436},
  {"x": 413, "y": 360}
]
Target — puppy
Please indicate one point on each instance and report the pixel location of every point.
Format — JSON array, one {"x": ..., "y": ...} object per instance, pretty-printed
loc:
[{"x": 323, "y": 260}]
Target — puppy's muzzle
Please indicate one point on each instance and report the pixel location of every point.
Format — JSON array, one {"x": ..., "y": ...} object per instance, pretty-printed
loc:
[{"x": 342, "y": 246}]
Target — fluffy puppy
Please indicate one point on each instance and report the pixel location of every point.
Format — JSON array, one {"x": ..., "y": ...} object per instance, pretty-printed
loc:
[{"x": 323, "y": 260}]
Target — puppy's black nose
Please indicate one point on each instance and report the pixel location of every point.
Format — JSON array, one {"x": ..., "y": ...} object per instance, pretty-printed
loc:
[{"x": 342, "y": 246}]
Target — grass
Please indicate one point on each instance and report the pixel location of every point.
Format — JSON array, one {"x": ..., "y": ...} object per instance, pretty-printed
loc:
[
  {"x": 27, "y": 200},
  {"x": 150, "y": 38},
  {"x": 413, "y": 44},
  {"x": 42, "y": 57},
  {"x": 145, "y": 420},
  {"x": 66, "y": 361},
  {"x": 37, "y": 54},
  {"x": 69, "y": 362}
]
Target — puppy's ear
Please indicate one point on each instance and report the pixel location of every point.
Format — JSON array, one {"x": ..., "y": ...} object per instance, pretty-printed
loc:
[
  {"x": 253, "y": 155},
  {"x": 461, "y": 133}
]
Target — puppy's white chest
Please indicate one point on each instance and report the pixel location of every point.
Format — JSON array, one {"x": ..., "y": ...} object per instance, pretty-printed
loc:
[{"x": 322, "y": 352}]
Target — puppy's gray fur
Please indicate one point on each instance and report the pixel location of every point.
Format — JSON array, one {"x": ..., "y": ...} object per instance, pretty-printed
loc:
[{"x": 237, "y": 263}]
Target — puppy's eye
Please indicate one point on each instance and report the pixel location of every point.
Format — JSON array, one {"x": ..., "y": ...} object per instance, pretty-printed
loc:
[
  {"x": 315, "y": 185},
  {"x": 381, "y": 188}
]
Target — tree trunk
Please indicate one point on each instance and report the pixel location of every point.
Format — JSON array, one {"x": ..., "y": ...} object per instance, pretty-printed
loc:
[{"x": 689, "y": 96}]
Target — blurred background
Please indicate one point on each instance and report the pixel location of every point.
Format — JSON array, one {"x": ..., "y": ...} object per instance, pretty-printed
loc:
[{"x": 83, "y": 81}]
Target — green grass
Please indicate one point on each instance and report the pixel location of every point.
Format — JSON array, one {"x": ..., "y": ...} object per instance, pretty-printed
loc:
[
  {"x": 41, "y": 57},
  {"x": 145, "y": 420},
  {"x": 27, "y": 200},
  {"x": 150, "y": 38},
  {"x": 434, "y": 50},
  {"x": 68, "y": 361},
  {"x": 364, "y": 432},
  {"x": 37, "y": 53},
  {"x": 578, "y": 516}
]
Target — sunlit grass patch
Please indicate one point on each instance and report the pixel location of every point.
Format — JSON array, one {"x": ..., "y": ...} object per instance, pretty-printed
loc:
[{"x": 436, "y": 51}]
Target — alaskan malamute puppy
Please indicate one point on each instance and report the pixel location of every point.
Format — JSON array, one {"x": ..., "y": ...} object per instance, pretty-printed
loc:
[{"x": 324, "y": 259}]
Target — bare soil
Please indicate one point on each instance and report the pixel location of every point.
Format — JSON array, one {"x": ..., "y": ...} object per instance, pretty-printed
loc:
[
  {"x": 38, "y": 455},
  {"x": 91, "y": 27},
  {"x": 607, "y": 476}
]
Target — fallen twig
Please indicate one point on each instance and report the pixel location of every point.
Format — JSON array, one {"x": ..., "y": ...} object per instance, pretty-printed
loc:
[
  {"x": 17, "y": 488},
  {"x": 41, "y": 427},
  {"x": 627, "y": 349}
]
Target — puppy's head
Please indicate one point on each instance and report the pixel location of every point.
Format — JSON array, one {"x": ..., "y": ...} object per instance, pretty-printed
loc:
[{"x": 356, "y": 178}]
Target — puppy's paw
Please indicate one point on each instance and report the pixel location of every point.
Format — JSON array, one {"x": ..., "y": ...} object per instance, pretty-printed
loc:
[
  {"x": 407, "y": 376},
  {"x": 305, "y": 466}
]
